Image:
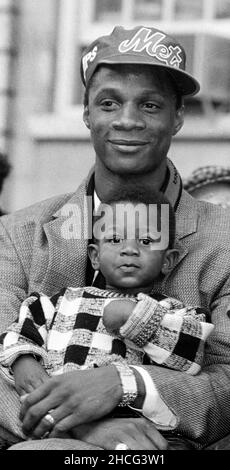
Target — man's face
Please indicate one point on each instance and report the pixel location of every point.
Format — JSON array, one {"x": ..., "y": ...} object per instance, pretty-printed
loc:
[
  {"x": 128, "y": 254},
  {"x": 132, "y": 116}
]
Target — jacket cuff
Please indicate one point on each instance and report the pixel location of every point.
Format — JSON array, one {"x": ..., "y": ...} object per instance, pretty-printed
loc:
[
  {"x": 7, "y": 358},
  {"x": 144, "y": 320},
  {"x": 128, "y": 383}
]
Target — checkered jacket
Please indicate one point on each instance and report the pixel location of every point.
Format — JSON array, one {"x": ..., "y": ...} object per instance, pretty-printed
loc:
[
  {"x": 66, "y": 331},
  {"x": 36, "y": 256}
]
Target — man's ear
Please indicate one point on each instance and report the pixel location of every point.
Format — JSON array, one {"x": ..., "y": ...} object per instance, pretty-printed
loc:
[
  {"x": 170, "y": 258},
  {"x": 179, "y": 120},
  {"x": 86, "y": 116},
  {"x": 93, "y": 253}
]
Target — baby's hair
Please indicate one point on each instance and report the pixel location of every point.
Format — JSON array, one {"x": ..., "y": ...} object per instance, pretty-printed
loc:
[{"x": 144, "y": 196}]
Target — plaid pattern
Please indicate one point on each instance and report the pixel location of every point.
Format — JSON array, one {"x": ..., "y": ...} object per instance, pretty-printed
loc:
[
  {"x": 36, "y": 257},
  {"x": 171, "y": 334},
  {"x": 67, "y": 332}
]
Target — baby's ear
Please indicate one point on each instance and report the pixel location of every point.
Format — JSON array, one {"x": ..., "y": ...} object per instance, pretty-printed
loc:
[
  {"x": 170, "y": 259},
  {"x": 93, "y": 253}
]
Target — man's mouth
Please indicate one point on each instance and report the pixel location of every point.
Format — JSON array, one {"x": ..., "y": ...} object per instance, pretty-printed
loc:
[
  {"x": 128, "y": 142},
  {"x": 126, "y": 145}
]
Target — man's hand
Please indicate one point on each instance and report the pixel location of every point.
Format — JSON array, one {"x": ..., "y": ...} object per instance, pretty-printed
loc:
[
  {"x": 28, "y": 374},
  {"x": 72, "y": 398},
  {"x": 136, "y": 433}
]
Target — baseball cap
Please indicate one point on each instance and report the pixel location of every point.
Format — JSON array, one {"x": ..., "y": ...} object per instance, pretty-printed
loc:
[{"x": 140, "y": 45}]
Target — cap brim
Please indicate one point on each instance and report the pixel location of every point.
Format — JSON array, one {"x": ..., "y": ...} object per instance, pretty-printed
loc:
[{"x": 186, "y": 83}]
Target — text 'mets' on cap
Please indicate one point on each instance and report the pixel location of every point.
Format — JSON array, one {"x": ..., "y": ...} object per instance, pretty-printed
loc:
[{"x": 141, "y": 45}]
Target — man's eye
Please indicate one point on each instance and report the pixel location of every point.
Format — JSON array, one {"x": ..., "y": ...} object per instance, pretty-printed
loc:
[
  {"x": 109, "y": 104},
  {"x": 150, "y": 106}
]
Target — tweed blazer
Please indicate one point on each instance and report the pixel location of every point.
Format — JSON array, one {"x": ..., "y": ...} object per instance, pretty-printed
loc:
[{"x": 37, "y": 253}]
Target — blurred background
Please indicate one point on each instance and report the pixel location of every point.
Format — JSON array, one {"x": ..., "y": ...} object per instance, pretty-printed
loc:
[{"x": 41, "y": 128}]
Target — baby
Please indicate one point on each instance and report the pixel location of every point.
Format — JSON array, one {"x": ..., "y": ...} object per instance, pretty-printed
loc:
[{"x": 127, "y": 322}]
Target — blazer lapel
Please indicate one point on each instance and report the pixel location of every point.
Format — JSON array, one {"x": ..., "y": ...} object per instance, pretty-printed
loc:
[
  {"x": 186, "y": 223},
  {"x": 67, "y": 239}
]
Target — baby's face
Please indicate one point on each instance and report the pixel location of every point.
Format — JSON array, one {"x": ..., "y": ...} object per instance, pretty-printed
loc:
[{"x": 129, "y": 252}]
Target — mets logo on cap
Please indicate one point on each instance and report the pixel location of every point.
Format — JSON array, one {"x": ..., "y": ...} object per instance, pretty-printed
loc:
[{"x": 144, "y": 41}]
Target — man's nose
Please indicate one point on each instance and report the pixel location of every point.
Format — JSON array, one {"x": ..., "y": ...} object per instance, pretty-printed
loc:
[
  {"x": 128, "y": 118},
  {"x": 130, "y": 248}
]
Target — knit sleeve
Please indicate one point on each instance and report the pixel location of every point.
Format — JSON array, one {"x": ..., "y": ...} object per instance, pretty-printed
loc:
[{"x": 173, "y": 337}]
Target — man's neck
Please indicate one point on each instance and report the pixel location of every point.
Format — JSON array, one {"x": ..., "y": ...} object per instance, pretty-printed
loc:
[{"x": 106, "y": 181}]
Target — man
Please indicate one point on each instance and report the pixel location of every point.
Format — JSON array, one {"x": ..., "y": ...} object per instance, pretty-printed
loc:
[{"x": 135, "y": 81}]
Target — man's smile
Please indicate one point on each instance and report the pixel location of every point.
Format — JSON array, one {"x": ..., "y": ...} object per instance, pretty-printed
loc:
[{"x": 126, "y": 145}]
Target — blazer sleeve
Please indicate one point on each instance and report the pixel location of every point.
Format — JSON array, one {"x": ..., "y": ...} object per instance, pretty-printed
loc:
[{"x": 13, "y": 279}]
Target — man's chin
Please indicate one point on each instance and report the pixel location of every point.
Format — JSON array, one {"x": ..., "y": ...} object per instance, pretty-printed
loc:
[{"x": 129, "y": 169}]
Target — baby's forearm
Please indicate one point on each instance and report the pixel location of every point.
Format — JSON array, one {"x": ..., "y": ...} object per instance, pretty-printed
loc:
[
  {"x": 23, "y": 361},
  {"x": 28, "y": 374},
  {"x": 116, "y": 313}
]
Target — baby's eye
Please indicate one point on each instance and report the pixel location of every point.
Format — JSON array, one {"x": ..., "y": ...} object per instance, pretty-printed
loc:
[
  {"x": 145, "y": 241},
  {"x": 116, "y": 239}
]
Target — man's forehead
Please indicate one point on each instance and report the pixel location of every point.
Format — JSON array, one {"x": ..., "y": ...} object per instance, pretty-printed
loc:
[
  {"x": 116, "y": 71},
  {"x": 147, "y": 77}
]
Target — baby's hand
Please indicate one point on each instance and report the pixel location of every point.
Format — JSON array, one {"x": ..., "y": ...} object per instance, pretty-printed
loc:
[
  {"x": 28, "y": 374},
  {"x": 116, "y": 314}
]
